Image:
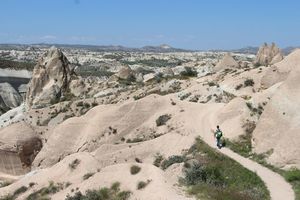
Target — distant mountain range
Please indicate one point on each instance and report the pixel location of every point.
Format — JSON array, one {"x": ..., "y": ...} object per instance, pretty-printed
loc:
[
  {"x": 164, "y": 48},
  {"x": 253, "y": 50}
]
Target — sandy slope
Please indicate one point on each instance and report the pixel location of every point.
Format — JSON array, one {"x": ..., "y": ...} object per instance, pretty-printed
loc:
[{"x": 189, "y": 120}]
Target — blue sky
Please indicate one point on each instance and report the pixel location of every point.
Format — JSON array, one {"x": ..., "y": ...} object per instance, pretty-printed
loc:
[{"x": 191, "y": 24}]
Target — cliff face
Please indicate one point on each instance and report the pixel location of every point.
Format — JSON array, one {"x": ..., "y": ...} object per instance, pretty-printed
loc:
[
  {"x": 19, "y": 144},
  {"x": 10, "y": 163}
]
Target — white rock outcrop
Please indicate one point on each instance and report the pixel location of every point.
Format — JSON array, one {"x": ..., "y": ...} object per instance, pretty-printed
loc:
[
  {"x": 9, "y": 97},
  {"x": 267, "y": 55},
  {"x": 50, "y": 79}
]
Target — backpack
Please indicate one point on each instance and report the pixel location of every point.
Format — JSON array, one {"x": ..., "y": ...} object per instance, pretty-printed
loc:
[{"x": 219, "y": 134}]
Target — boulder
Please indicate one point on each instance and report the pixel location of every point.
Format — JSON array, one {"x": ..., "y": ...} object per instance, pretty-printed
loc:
[
  {"x": 149, "y": 77},
  {"x": 9, "y": 97},
  {"x": 50, "y": 79},
  {"x": 267, "y": 55},
  {"x": 78, "y": 87},
  {"x": 126, "y": 73},
  {"x": 139, "y": 78}
]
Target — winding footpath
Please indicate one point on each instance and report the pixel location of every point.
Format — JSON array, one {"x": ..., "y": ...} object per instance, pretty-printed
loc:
[{"x": 279, "y": 189}]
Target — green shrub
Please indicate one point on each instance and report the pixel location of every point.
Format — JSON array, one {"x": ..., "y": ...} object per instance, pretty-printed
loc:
[
  {"x": 292, "y": 175},
  {"x": 43, "y": 193},
  {"x": 211, "y": 84},
  {"x": 18, "y": 65},
  {"x": 112, "y": 193},
  {"x": 31, "y": 184},
  {"x": 88, "y": 175},
  {"x": 189, "y": 72},
  {"x": 134, "y": 140},
  {"x": 158, "y": 159},
  {"x": 204, "y": 174},
  {"x": 172, "y": 160},
  {"x": 4, "y": 184},
  {"x": 249, "y": 127},
  {"x": 248, "y": 82},
  {"x": 259, "y": 110},
  {"x": 80, "y": 103},
  {"x": 142, "y": 184},
  {"x": 74, "y": 164},
  {"x": 162, "y": 120},
  {"x": 134, "y": 169},
  {"x": 239, "y": 86},
  {"x": 20, "y": 190}
]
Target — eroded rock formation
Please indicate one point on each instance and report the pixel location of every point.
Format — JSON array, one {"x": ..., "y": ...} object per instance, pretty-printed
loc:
[
  {"x": 267, "y": 55},
  {"x": 50, "y": 79},
  {"x": 226, "y": 62}
]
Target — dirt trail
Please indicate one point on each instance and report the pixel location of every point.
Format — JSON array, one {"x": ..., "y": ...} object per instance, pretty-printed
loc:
[{"x": 278, "y": 187}]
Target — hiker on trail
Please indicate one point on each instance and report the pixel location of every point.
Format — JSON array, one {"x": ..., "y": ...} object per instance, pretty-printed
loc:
[{"x": 218, "y": 135}]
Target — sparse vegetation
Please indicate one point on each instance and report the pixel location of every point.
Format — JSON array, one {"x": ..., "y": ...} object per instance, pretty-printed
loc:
[
  {"x": 74, "y": 164},
  {"x": 134, "y": 169},
  {"x": 154, "y": 62},
  {"x": 248, "y": 82},
  {"x": 162, "y": 120},
  {"x": 17, "y": 192},
  {"x": 93, "y": 71},
  {"x": 135, "y": 140},
  {"x": 112, "y": 193},
  {"x": 212, "y": 83},
  {"x": 79, "y": 104},
  {"x": 88, "y": 175},
  {"x": 4, "y": 184},
  {"x": 31, "y": 184},
  {"x": 239, "y": 86},
  {"x": 293, "y": 176},
  {"x": 259, "y": 110},
  {"x": 172, "y": 160},
  {"x": 142, "y": 184},
  {"x": 44, "y": 192},
  {"x": 158, "y": 159},
  {"x": 17, "y": 65},
  {"x": 189, "y": 72},
  {"x": 20, "y": 190},
  {"x": 243, "y": 144}
]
